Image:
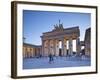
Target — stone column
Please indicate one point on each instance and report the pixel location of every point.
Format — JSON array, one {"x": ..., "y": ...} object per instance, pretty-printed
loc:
[
  {"x": 56, "y": 47},
  {"x": 24, "y": 52},
  {"x": 70, "y": 52},
  {"x": 78, "y": 48},
  {"x": 64, "y": 47},
  {"x": 34, "y": 52},
  {"x": 48, "y": 47},
  {"x": 42, "y": 48},
  {"x": 63, "y": 51},
  {"x": 51, "y": 47}
]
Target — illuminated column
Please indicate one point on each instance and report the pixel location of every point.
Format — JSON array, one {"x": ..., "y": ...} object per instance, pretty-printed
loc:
[
  {"x": 70, "y": 52},
  {"x": 33, "y": 52},
  {"x": 64, "y": 47},
  {"x": 50, "y": 50},
  {"x": 48, "y": 46},
  {"x": 62, "y": 53},
  {"x": 56, "y": 47},
  {"x": 42, "y": 48},
  {"x": 51, "y": 47},
  {"x": 24, "y": 52},
  {"x": 30, "y": 52},
  {"x": 78, "y": 48},
  {"x": 62, "y": 50}
]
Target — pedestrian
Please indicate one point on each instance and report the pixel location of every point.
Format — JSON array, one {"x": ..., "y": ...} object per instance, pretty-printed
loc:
[{"x": 50, "y": 58}]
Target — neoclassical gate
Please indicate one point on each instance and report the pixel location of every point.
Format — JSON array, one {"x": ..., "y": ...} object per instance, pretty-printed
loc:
[{"x": 50, "y": 40}]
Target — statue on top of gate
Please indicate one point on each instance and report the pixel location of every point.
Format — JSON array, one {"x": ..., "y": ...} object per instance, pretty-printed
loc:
[{"x": 58, "y": 27}]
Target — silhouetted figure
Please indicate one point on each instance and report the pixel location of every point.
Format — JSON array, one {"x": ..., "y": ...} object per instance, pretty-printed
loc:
[{"x": 50, "y": 58}]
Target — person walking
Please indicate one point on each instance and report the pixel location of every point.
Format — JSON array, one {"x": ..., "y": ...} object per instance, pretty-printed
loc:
[{"x": 50, "y": 58}]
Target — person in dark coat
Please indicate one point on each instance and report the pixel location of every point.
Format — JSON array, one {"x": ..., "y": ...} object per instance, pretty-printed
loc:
[{"x": 50, "y": 58}]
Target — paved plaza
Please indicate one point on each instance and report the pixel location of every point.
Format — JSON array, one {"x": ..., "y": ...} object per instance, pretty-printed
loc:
[{"x": 58, "y": 62}]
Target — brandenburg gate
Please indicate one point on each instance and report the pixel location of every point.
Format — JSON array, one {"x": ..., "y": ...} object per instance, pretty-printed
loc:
[{"x": 50, "y": 40}]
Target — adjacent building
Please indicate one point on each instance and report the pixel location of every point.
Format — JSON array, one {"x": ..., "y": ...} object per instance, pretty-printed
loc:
[
  {"x": 30, "y": 50},
  {"x": 88, "y": 42}
]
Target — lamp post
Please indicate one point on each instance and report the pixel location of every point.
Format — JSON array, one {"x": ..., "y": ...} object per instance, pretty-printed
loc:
[{"x": 24, "y": 39}]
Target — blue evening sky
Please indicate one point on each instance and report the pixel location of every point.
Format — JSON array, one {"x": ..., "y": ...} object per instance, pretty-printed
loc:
[{"x": 37, "y": 22}]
